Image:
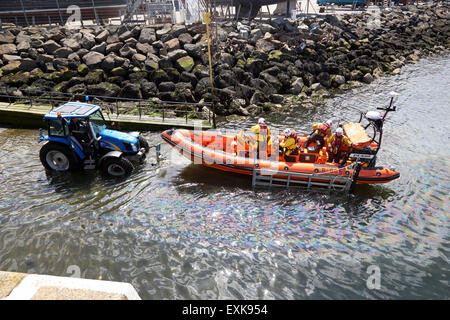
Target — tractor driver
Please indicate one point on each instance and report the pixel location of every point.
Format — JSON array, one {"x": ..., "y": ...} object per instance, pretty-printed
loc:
[{"x": 81, "y": 134}]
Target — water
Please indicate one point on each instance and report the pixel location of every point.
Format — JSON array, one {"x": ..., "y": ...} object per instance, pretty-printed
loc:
[{"x": 181, "y": 231}]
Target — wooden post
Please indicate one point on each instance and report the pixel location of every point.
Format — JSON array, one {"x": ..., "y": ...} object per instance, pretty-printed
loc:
[{"x": 207, "y": 19}]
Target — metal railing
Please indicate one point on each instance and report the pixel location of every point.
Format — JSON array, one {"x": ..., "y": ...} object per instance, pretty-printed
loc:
[
  {"x": 342, "y": 180},
  {"x": 144, "y": 109}
]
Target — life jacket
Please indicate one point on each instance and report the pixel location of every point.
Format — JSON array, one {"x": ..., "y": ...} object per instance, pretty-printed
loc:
[
  {"x": 337, "y": 143},
  {"x": 263, "y": 130},
  {"x": 323, "y": 129},
  {"x": 297, "y": 139}
]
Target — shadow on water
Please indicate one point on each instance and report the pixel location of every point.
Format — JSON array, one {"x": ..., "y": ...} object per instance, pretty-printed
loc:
[
  {"x": 210, "y": 177},
  {"x": 70, "y": 181}
]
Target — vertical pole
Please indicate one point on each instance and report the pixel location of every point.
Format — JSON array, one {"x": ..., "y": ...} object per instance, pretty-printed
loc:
[
  {"x": 24, "y": 13},
  {"x": 238, "y": 12},
  {"x": 59, "y": 11},
  {"x": 139, "y": 109},
  {"x": 95, "y": 12},
  {"x": 215, "y": 21},
  {"x": 288, "y": 6},
  {"x": 207, "y": 18}
]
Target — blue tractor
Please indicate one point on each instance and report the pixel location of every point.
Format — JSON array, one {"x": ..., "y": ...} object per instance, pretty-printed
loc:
[{"x": 78, "y": 138}]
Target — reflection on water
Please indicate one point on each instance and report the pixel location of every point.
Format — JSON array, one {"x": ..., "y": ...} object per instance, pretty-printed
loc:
[{"x": 182, "y": 231}]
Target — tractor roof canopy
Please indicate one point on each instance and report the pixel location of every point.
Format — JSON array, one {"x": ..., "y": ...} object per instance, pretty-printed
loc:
[{"x": 73, "y": 110}]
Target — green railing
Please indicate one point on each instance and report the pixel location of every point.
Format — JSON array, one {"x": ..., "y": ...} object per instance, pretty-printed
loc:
[{"x": 165, "y": 111}]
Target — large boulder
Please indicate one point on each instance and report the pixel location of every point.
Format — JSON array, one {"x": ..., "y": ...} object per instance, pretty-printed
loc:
[
  {"x": 172, "y": 44},
  {"x": 185, "y": 64},
  {"x": 166, "y": 86},
  {"x": 188, "y": 77},
  {"x": 159, "y": 76},
  {"x": 7, "y": 58},
  {"x": 11, "y": 67},
  {"x": 113, "y": 47},
  {"x": 125, "y": 36},
  {"x": 118, "y": 72},
  {"x": 50, "y": 46},
  {"x": 131, "y": 90},
  {"x": 258, "y": 98},
  {"x": 297, "y": 86},
  {"x": 201, "y": 71},
  {"x": 88, "y": 41},
  {"x": 149, "y": 89},
  {"x": 104, "y": 89},
  {"x": 62, "y": 52},
  {"x": 176, "y": 54},
  {"x": 185, "y": 38},
  {"x": 93, "y": 59},
  {"x": 163, "y": 33},
  {"x": 147, "y": 35},
  {"x": 194, "y": 50},
  {"x": 94, "y": 77},
  {"x": 254, "y": 66},
  {"x": 127, "y": 52},
  {"x": 145, "y": 48},
  {"x": 138, "y": 59},
  {"x": 73, "y": 44},
  {"x": 262, "y": 86},
  {"x": 83, "y": 70},
  {"x": 23, "y": 46},
  {"x": 8, "y": 49},
  {"x": 177, "y": 30},
  {"x": 6, "y": 37},
  {"x": 28, "y": 64},
  {"x": 100, "y": 48},
  {"x": 337, "y": 80},
  {"x": 203, "y": 86},
  {"x": 102, "y": 36}
]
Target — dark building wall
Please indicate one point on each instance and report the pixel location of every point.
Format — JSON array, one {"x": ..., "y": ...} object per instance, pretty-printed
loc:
[{"x": 15, "y": 5}]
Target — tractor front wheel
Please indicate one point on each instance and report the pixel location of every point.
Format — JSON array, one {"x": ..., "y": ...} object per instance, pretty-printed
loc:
[
  {"x": 55, "y": 156},
  {"x": 143, "y": 143},
  {"x": 117, "y": 167}
]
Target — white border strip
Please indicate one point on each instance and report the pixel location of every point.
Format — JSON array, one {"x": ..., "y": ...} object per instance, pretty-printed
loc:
[{"x": 33, "y": 282}]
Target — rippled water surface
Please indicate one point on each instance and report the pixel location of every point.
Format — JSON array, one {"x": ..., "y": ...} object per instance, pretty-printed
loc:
[{"x": 182, "y": 231}]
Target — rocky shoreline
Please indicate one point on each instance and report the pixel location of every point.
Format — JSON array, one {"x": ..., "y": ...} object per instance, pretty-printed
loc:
[{"x": 259, "y": 67}]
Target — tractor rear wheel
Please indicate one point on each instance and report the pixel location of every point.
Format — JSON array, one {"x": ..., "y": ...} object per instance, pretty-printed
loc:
[
  {"x": 117, "y": 167},
  {"x": 55, "y": 156}
]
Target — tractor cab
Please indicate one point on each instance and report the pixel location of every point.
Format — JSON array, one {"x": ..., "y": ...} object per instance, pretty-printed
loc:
[{"x": 77, "y": 136}]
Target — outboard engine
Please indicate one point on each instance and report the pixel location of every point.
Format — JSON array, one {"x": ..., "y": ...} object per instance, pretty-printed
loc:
[
  {"x": 375, "y": 117},
  {"x": 375, "y": 120}
]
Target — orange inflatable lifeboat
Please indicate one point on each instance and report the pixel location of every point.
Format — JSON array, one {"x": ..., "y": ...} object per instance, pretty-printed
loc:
[{"x": 239, "y": 152}]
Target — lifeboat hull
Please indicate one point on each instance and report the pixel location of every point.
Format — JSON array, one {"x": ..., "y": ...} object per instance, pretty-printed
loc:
[{"x": 215, "y": 150}]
